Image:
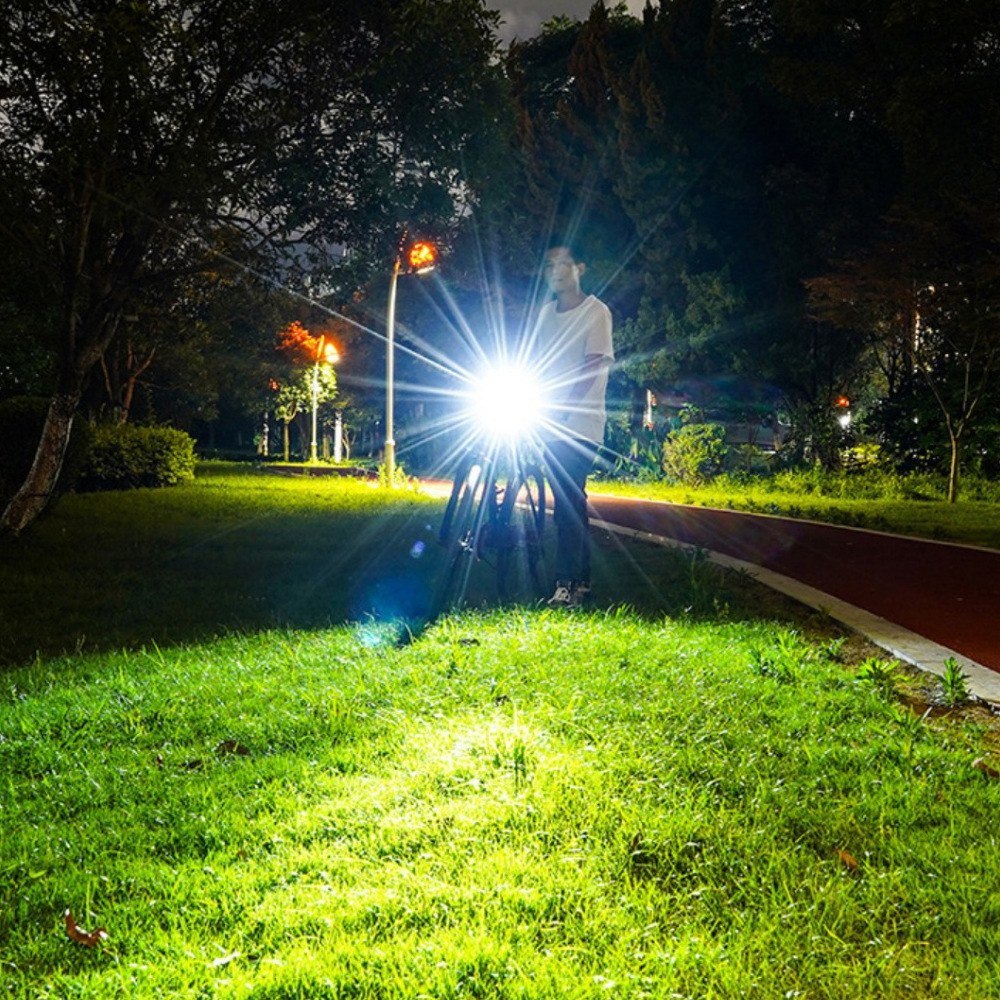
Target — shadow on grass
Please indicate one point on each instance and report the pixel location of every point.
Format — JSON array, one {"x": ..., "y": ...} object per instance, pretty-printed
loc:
[{"x": 113, "y": 571}]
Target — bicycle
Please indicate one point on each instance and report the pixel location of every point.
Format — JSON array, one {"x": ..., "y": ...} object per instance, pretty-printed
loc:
[{"x": 495, "y": 514}]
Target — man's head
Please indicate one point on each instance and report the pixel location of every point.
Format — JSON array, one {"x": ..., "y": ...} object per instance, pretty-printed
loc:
[{"x": 563, "y": 269}]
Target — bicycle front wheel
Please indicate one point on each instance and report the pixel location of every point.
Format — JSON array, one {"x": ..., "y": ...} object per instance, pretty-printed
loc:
[
  {"x": 459, "y": 533},
  {"x": 517, "y": 536}
]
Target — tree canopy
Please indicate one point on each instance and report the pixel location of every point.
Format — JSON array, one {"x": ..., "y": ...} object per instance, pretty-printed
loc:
[
  {"x": 799, "y": 195},
  {"x": 137, "y": 138},
  {"x": 743, "y": 165}
]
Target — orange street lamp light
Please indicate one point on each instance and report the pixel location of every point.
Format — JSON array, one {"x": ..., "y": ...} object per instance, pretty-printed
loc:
[{"x": 420, "y": 258}]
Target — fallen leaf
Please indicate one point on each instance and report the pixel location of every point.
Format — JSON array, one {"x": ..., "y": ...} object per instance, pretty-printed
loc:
[
  {"x": 847, "y": 860},
  {"x": 193, "y": 765},
  {"x": 231, "y": 746},
  {"x": 981, "y": 765},
  {"x": 89, "y": 938}
]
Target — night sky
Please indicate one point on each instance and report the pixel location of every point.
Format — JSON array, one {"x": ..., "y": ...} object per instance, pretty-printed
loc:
[{"x": 522, "y": 18}]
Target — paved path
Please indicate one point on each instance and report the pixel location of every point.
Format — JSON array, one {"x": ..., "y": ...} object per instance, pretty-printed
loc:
[{"x": 947, "y": 594}]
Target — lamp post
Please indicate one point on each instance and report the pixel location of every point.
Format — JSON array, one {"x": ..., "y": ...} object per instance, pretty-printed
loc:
[
  {"x": 338, "y": 436},
  {"x": 420, "y": 259},
  {"x": 329, "y": 354}
]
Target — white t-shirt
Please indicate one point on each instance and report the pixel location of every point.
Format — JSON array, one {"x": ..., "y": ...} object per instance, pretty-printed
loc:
[{"x": 563, "y": 340}]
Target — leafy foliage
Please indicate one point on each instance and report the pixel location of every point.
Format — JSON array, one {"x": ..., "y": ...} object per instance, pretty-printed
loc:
[
  {"x": 695, "y": 453},
  {"x": 782, "y": 191},
  {"x": 152, "y": 141},
  {"x": 125, "y": 457}
]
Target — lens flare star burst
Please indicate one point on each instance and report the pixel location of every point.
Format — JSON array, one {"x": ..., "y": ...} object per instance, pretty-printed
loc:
[{"x": 507, "y": 402}]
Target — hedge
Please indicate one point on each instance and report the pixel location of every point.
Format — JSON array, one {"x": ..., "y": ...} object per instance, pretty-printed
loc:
[{"x": 125, "y": 457}]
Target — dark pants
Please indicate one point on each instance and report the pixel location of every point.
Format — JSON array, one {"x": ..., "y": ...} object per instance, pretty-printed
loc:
[{"x": 568, "y": 464}]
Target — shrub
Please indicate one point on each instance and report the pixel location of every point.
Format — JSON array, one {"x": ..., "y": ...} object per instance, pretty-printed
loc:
[
  {"x": 695, "y": 453},
  {"x": 125, "y": 457},
  {"x": 21, "y": 422}
]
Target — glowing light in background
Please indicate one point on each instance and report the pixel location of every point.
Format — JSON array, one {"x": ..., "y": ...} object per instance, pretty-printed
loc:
[{"x": 843, "y": 404}]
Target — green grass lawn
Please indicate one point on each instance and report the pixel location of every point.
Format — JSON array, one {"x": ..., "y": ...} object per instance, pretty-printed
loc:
[
  {"x": 237, "y": 551},
  {"x": 698, "y": 796},
  {"x": 231, "y": 551}
]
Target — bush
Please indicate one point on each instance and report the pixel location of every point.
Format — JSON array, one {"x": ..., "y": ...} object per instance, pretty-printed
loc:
[
  {"x": 125, "y": 457},
  {"x": 21, "y": 422},
  {"x": 695, "y": 453}
]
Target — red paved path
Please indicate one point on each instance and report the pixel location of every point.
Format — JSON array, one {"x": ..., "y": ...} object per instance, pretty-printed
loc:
[{"x": 949, "y": 594}]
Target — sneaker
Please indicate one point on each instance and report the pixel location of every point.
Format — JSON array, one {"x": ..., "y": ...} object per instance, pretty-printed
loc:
[{"x": 563, "y": 595}]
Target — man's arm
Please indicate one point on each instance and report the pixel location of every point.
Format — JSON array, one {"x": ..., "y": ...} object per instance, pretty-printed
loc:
[{"x": 585, "y": 376}]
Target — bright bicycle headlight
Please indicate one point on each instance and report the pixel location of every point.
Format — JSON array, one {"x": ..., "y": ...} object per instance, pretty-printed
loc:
[{"x": 507, "y": 401}]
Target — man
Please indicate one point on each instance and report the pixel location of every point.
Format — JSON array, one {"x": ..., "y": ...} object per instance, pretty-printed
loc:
[{"x": 574, "y": 350}]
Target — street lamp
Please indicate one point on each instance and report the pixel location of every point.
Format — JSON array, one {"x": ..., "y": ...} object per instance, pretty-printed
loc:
[
  {"x": 329, "y": 354},
  {"x": 419, "y": 259}
]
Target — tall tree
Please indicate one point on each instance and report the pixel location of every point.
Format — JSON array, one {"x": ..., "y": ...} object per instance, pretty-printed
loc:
[
  {"x": 696, "y": 185},
  {"x": 684, "y": 184},
  {"x": 925, "y": 285},
  {"x": 129, "y": 133}
]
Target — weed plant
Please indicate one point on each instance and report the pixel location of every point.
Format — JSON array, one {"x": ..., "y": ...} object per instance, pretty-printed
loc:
[
  {"x": 954, "y": 684},
  {"x": 882, "y": 675},
  {"x": 518, "y": 804}
]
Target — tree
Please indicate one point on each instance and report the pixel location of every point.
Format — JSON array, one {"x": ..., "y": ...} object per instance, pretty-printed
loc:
[
  {"x": 730, "y": 158},
  {"x": 131, "y": 134},
  {"x": 693, "y": 183},
  {"x": 308, "y": 379},
  {"x": 294, "y": 399},
  {"x": 924, "y": 287},
  {"x": 928, "y": 301}
]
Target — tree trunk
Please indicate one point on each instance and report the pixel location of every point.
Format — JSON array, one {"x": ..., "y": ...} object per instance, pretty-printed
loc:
[
  {"x": 953, "y": 471},
  {"x": 85, "y": 342},
  {"x": 37, "y": 489}
]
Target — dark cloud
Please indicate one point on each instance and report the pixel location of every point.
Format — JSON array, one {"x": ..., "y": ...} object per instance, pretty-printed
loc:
[{"x": 523, "y": 18}]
